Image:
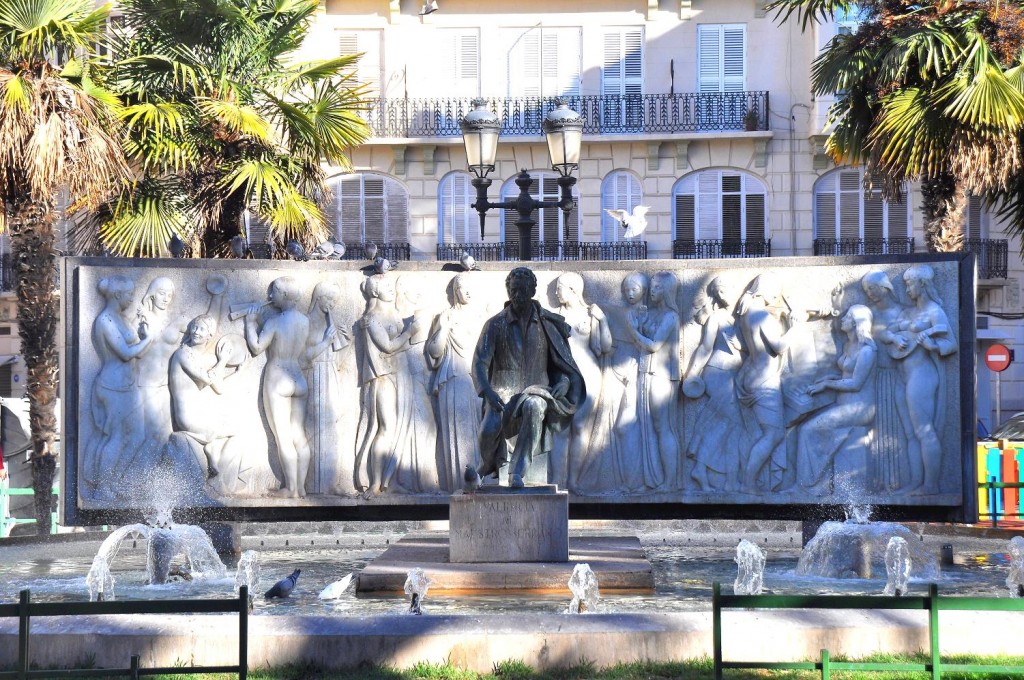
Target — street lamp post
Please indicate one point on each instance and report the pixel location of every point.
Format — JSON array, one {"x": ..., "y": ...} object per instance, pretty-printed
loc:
[{"x": 563, "y": 130}]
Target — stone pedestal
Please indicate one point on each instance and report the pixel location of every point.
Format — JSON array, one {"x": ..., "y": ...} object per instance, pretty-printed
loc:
[{"x": 498, "y": 524}]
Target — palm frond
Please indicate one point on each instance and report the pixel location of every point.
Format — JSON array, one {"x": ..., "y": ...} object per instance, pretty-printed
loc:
[
  {"x": 808, "y": 11},
  {"x": 238, "y": 118}
]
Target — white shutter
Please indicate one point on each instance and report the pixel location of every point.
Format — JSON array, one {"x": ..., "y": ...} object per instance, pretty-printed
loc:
[
  {"x": 459, "y": 65},
  {"x": 348, "y": 194},
  {"x": 685, "y": 217},
  {"x": 620, "y": 191},
  {"x": 612, "y": 68},
  {"x": 897, "y": 219},
  {"x": 524, "y": 63},
  {"x": 825, "y": 213},
  {"x": 396, "y": 212},
  {"x": 708, "y": 205},
  {"x": 560, "y": 62},
  {"x": 633, "y": 62},
  {"x": 374, "y": 212},
  {"x": 370, "y": 68},
  {"x": 850, "y": 198},
  {"x": 622, "y": 71},
  {"x": 975, "y": 218},
  {"x": 734, "y": 58},
  {"x": 455, "y": 216},
  {"x": 754, "y": 217}
]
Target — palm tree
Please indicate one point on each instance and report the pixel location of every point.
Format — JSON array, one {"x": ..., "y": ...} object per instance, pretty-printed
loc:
[
  {"x": 930, "y": 91},
  {"x": 221, "y": 118},
  {"x": 58, "y": 132}
]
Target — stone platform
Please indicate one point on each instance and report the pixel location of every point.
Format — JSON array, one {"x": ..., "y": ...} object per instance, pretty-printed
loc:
[
  {"x": 619, "y": 562},
  {"x": 500, "y": 524}
]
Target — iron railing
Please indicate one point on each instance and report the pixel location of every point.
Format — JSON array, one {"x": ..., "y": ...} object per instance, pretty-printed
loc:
[
  {"x": 994, "y": 492},
  {"x": 546, "y": 250},
  {"x": 931, "y": 603},
  {"x": 7, "y": 521},
  {"x": 712, "y": 249},
  {"x": 26, "y": 609},
  {"x": 602, "y": 114},
  {"x": 992, "y": 254},
  {"x": 863, "y": 246},
  {"x": 392, "y": 250}
]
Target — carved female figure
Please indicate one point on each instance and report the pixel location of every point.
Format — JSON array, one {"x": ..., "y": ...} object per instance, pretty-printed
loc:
[
  {"x": 759, "y": 383},
  {"x": 323, "y": 406},
  {"x": 383, "y": 336},
  {"x": 822, "y": 436},
  {"x": 116, "y": 402},
  {"x": 590, "y": 343},
  {"x": 619, "y": 390},
  {"x": 720, "y": 435},
  {"x": 450, "y": 346},
  {"x": 656, "y": 334},
  {"x": 167, "y": 330},
  {"x": 283, "y": 337},
  {"x": 888, "y": 460},
  {"x": 923, "y": 337}
]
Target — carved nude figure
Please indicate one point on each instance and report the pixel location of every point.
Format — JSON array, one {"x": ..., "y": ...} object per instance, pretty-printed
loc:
[
  {"x": 323, "y": 407},
  {"x": 822, "y": 436},
  {"x": 453, "y": 336},
  {"x": 283, "y": 336},
  {"x": 619, "y": 392},
  {"x": 889, "y": 467},
  {"x": 116, "y": 402},
  {"x": 656, "y": 333},
  {"x": 720, "y": 437},
  {"x": 167, "y": 329},
  {"x": 759, "y": 384},
  {"x": 383, "y": 336},
  {"x": 590, "y": 344},
  {"x": 923, "y": 337}
]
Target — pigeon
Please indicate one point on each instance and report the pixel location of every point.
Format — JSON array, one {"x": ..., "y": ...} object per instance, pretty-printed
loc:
[
  {"x": 634, "y": 223},
  {"x": 176, "y": 246},
  {"x": 323, "y": 251},
  {"x": 336, "y": 589},
  {"x": 295, "y": 250},
  {"x": 371, "y": 251},
  {"x": 239, "y": 246},
  {"x": 470, "y": 480},
  {"x": 468, "y": 263},
  {"x": 429, "y": 7},
  {"x": 284, "y": 587},
  {"x": 339, "y": 250},
  {"x": 382, "y": 265}
]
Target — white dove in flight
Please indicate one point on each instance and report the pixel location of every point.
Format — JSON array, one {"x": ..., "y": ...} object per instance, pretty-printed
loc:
[{"x": 634, "y": 223}]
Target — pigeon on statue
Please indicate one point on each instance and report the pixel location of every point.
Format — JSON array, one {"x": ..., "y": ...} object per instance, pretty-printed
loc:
[
  {"x": 634, "y": 223},
  {"x": 468, "y": 263},
  {"x": 284, "y": 587},
  {"x": 382, "y": 265},
  {"x": 470, "y": 480}
]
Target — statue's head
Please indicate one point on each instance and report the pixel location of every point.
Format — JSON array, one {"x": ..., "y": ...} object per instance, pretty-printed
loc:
[
  {"x": 119, "y": 288},
  {"x": 920, "y": 280},
  {"x": 200, "y": 329},
  {"x": 159, "y": 294},
  {"x": 521, "y": 284},
  {"x": 283, "y": 292}
]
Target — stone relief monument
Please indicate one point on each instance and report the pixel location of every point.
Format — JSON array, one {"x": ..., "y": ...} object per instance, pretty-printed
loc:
[{"x": 266, "y": 385}]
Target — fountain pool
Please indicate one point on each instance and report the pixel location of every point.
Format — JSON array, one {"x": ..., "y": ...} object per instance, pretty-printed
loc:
[{"x": 685, "y": 564}]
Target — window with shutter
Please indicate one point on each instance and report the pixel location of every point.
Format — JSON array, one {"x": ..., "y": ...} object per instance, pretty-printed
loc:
[
  {"x": 552, "y": 224},
  {"x": 843, "y": 210},
  {"x": 456, "y": 218},
  {"x": 620, "y": 190},
  {"x": 720, "y": 205},
  {"x": 543, "y": 62},
  {"x": 976, "y": 218},
  {"x": 459, "y": 64},
  {"x": 622, "y": 76},
  {"x": 370, "y": 67},
  {"x": 370, "y": 208},
  {"x": 721, "y": 57}
]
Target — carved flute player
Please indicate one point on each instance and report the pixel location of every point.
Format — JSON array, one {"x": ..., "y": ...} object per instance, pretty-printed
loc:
[{"x": 524, "y": 371}]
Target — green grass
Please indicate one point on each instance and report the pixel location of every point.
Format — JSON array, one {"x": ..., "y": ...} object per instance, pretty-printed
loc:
[{"x": 516, "y": 669}]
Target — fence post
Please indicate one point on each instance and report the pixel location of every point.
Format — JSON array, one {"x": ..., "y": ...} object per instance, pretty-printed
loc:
[
  {"x": 933, "y": 630},
  {"x": 243, "y": 632},
  {"x": 716, "y": 627},
  {"x": 134, "y": 670},
  {"x": 24, "y": 623},
  {"x": 993, "y": 510},
  {"x": 826, "y": 670}
]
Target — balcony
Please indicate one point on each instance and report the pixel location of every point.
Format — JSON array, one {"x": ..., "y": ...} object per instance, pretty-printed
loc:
[
  {"x": 602, "y": 115},
  {"x": 863, "y": 246},
  {"x": 711, "y": 249},
  {"x": 546, "y": 251},
  {"x": 992, "y": 256}
]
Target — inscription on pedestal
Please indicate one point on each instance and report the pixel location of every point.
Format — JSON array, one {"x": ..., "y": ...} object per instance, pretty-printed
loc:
[{"x": 509, "y": 527}]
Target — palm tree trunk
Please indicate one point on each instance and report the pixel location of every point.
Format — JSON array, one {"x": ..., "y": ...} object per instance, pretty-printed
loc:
[
  {"x": 33, "y": 241},
  {"x": 943, "y": 205}
]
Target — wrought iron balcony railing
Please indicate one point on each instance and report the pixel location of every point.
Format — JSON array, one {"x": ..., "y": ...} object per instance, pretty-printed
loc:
[
  {"x": 602, "y": 114},
  {"x": 712, "y": 249},
  {"x": 863, "y": 246},
  {"x": 992, "y": 254},
  {"x": 392, "y": 250},
  {"x": 546, "y": 250}
]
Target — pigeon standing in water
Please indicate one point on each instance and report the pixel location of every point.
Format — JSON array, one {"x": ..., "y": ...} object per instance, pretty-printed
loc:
[
  {"x": 471, "y": 480},
  {"x": 284, "y": 587}
]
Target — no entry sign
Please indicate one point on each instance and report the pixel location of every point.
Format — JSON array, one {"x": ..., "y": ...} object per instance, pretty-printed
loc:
[{"x": 997, "y": 357}]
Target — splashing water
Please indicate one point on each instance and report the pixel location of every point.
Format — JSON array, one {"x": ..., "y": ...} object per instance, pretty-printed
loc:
[
  {"x": 852, "y": 549},
  {"x": 897, "y": 567},
  {"x": 248, "y": 572},
  {"x": 165, "y": 544},
  {"x": 585, "y": 593},
  {"x": 416, "y": 584},
  {"x": 749, "y": 569},
  {"x": 858, "y": 513},
  {"x": 335, "y": 590},
  {"x": 1015, "y": 579}
]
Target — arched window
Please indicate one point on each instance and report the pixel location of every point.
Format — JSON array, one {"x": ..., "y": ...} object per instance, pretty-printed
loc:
[
  {"x": 457, "y": 221},
  {"x": 369, "y": 207},
  {"x": 620, "y": 190},
  {"x": 848, "y": 221},
  {"x": 552, "y": 224},
  {"x": 723, "y": 205}
]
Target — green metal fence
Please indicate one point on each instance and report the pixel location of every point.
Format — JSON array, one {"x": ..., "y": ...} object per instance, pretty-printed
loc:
[
  {"x": 26, "y": 609},
  {"x": 7, "y": 523},
  {"x": 992, "y": 491},
  {"x": 932, "y": 603}
]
